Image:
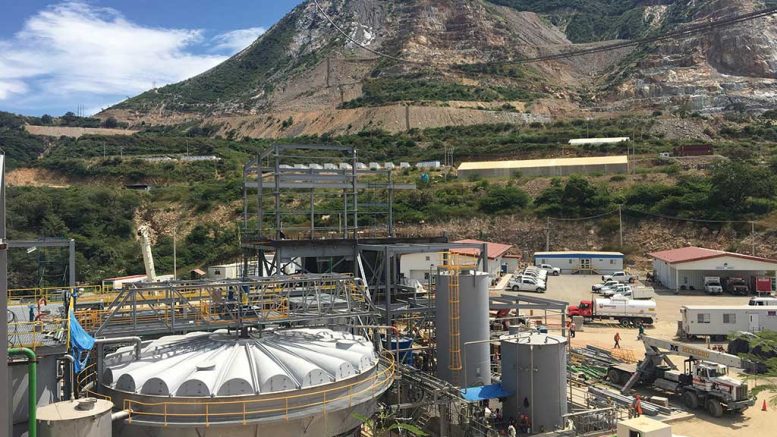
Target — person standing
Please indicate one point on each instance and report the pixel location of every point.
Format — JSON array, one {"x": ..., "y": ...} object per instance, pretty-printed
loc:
[
  {"x": 641, "y": 331},
  {"x": 511, "y": 430},
  {"x": 572, "y": 328},
  {"x": 617, "y": 339}
]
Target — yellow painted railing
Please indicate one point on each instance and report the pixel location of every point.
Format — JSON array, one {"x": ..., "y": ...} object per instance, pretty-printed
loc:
[{"x": 168, "y": 411}]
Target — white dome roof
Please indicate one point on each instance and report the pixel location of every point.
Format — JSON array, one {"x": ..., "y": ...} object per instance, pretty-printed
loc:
[{"x": 203, "y": 364}]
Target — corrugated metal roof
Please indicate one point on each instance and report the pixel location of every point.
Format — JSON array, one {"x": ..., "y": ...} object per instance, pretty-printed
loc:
[
  {"x": 494, "y": 250},
  {"x": 553, "y": 162},
  {"x": 693, "y": 253},
  {"x": 575, "y": 252},
  {"x": 614, "y": 140}
]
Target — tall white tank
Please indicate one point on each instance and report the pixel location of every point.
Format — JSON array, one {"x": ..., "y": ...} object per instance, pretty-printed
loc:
[
  {"x": 87, "y": 417},
  {"x": 473, "y": 326},
  {"x": 534, "y": 367}
]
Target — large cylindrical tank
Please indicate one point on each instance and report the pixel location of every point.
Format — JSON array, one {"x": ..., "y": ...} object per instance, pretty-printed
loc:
[
  {"x": 473, "y": 326},
  {"x": 534, "y": 367},
  {"x": 88, "y": 417},
  {"x": 307, "y": 381}
]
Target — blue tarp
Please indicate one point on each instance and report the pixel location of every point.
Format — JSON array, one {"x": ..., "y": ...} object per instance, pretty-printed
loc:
[
  {"x": 476, "y": 394},
  {"x": 81, "y": 343}
]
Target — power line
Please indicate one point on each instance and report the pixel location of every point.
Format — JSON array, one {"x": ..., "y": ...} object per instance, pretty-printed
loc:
[
  {"x": 580, "y": 219},
  {"x": 682, "y": 219},
  {"x": 680, "y": 33}
]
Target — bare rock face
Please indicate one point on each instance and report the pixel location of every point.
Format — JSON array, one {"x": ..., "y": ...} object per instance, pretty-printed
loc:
[{"x": 325, "y": 54}]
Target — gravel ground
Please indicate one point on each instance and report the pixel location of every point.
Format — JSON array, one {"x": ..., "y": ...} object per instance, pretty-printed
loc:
[{"x": 573, "y": 288}]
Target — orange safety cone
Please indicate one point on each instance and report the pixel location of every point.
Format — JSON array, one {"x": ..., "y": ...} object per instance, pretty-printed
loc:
[{"x": 763, "y": 407}]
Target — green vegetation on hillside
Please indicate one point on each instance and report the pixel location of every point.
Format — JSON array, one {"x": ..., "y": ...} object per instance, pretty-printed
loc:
[
  {"x": 236, "y": 78},
  {"x": 390, "y": 90},
  {"x": 589, "y": 20},
  {"x": 20, "y": 148}
]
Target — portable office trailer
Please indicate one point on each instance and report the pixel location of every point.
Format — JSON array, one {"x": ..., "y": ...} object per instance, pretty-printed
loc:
[
  {"x": 316, "y": 167},
  {"x": 389, "y": 165},
  {"x": 404, "y": 165},
  {"x": 374, "y": 166},
  {"x": 345, "y": 166},
  {"x": 722, "y": 320},
  {"x": 582, "y": 262},
  {"x": 361, "y": 166},
  {"x": 330, "y": 166}
]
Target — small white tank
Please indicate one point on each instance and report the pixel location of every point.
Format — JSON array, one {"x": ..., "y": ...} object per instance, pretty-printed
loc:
[{"x": 87, "y": 417}]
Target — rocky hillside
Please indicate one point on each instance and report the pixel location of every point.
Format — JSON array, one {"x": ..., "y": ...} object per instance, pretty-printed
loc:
[{"x": 454, "y": 62}]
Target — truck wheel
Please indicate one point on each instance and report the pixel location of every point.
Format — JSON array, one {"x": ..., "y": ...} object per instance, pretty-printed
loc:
[
  {"x": 690, "y": 400},
  {"x": 648, "y": 321},
  {"x": 555, "y": 273},
  {"x": 714, "y": 407},
  {"x": 515, "y": 288},
  {"x": 540, "y": 290}
]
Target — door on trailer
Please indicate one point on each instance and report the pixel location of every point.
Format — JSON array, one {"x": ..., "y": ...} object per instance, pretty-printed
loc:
[
  {"x": 585, "y": 264},
  {"x": 754, "y": 327}
]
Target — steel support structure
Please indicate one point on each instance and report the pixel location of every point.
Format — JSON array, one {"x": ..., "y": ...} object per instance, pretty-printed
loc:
[{"x": 182, "y": 306}]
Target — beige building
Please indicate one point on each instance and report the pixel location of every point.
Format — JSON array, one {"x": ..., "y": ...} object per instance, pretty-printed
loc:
[{"x": 545, "y": 167}]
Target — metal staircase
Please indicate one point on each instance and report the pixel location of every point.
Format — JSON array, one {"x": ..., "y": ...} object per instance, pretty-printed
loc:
[{"x": 455, "y": 315}]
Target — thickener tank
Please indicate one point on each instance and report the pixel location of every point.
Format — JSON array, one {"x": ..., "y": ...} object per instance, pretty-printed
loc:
[
  {"x": 296, "y": 382},
  {"x": 86, "y": 417},
  {"x": 474, "y": 359},
  {"x": 534, "y": 367}
]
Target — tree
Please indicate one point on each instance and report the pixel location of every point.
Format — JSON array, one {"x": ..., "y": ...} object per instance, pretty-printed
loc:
[
  {"x": 46, "y": 119},
  {"x": 111, "y": 123},
  {"x": 733, "y": 183},
  {"x": 500, "y": 199},
  {"x": 576, "y": 198}
]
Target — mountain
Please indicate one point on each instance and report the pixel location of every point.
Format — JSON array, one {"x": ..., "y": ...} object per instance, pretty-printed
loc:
[{"x": 398, "y": 65}]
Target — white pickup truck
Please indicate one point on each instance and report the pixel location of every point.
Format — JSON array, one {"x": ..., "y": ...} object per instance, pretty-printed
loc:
[
  {"x": 712, "y": 285},
  {"x": 555, "y": 271},
  {"x": 622, "y": 277},
  {"x": 526, "y": 283}
]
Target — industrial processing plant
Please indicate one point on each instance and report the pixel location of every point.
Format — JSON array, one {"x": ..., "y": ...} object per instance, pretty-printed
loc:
[{"x": 320, "y": 334}]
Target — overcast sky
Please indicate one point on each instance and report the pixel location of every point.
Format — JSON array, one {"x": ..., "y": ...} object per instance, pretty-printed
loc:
[{"x": 57, "y": 56}]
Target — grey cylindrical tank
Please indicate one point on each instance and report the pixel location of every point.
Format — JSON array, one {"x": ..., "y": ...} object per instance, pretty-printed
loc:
[
  {"x": 534, "y": 368},
  {"x": 88, "y": 417},
  {"x": 473, "y": 326}
]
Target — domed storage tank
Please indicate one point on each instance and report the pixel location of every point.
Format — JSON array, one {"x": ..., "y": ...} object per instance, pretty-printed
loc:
[
  {"x": 473, "y": 326},
  {"x": 534, "y": 367},
  {"x": 284, "y": 383}
]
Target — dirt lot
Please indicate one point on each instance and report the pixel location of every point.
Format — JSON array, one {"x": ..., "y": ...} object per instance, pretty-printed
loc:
[{"x": 572, "y": 289}]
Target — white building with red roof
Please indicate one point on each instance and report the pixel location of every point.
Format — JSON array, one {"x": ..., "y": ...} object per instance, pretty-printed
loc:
[
  {"x": 685, "y": 268},
  {"x": 422, "y": 266}
]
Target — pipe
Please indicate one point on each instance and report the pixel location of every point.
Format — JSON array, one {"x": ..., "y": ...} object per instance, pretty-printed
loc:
[
  {"x": 72, "y": 360},
  {"x": 120, "y": 415},
  {"x": 137, "y": 340},
  {"x": 32, "y": 388}
]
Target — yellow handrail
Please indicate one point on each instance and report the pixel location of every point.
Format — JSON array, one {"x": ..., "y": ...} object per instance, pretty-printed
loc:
[{"x": 381, "y": 379}]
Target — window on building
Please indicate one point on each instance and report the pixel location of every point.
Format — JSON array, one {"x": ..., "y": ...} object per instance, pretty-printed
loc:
[
  {"x": 612, "y": 261},
  {"x": 428, "y": 258},
  {"x": 217, "y": 272},
  {"x": 426, "y": 276},
  {"x": 730, "y": 318},
  {"x": 570, "y": 261},
  {"x": 703, "y": 317}
]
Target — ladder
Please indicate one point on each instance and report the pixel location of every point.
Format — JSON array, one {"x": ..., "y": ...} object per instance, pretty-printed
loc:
[{"x": 455, "y": 315}]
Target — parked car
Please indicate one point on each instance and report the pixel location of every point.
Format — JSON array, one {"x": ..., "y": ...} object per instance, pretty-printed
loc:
[
  {"x": 533, "y": 278},
  {"x": 622, "y": 277},
  {"x": 555, "y": 271},
  {"x": 526, "y": 284},
  {"x": 540, "y": 272},
  {"x": 624, "y": 290},
  {"x": 598, "y": 287},
  {"x": 535, "y": 274}
]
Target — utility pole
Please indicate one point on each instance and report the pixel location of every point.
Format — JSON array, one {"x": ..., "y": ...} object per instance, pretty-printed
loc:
[
  {"x": 175, "y": 257},
  {"x": 620, "y": 223},
  {"x": 752, "y": 238},
  {"x": 547, "y": 235}
]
